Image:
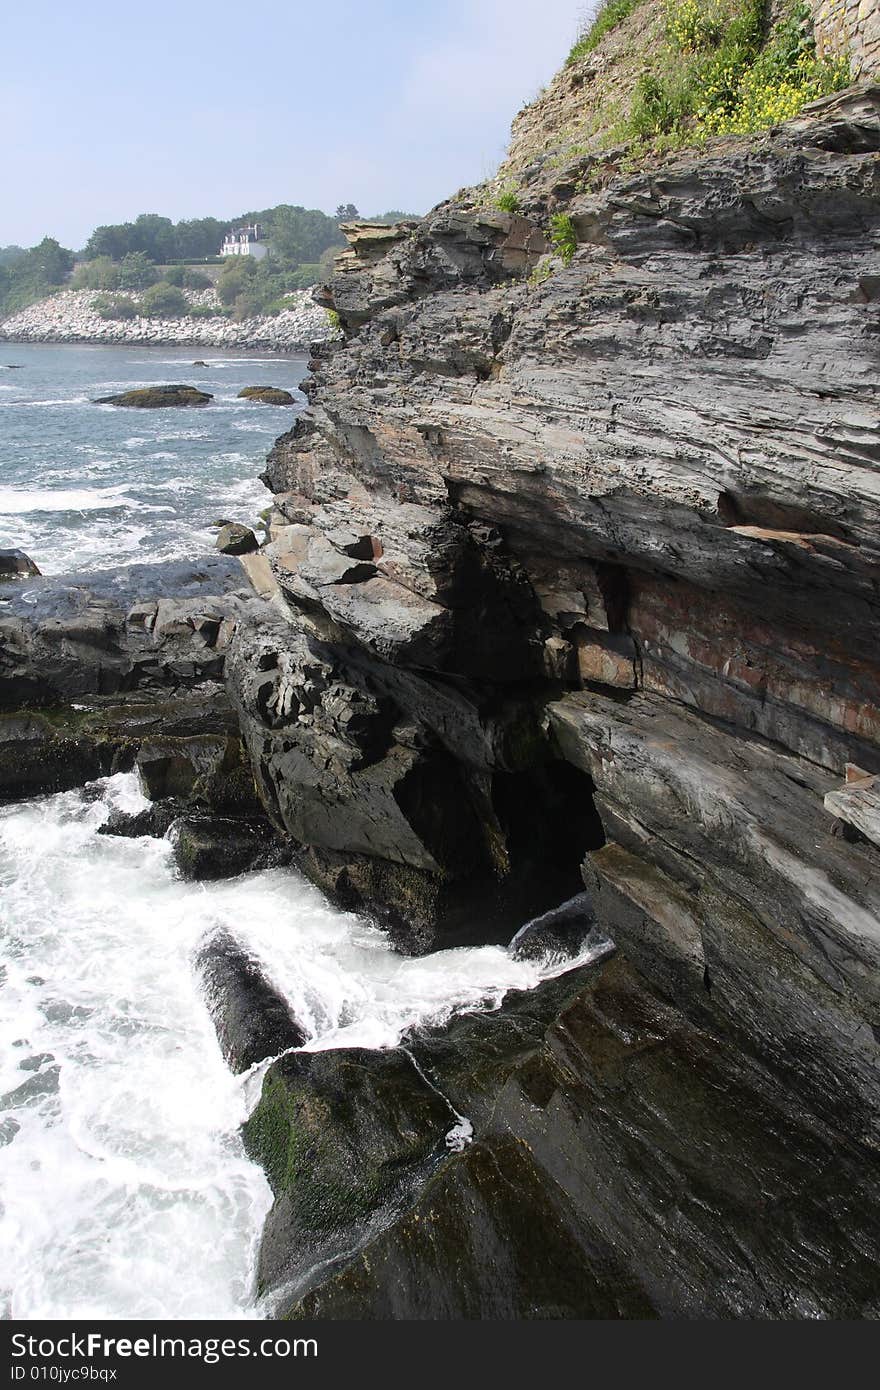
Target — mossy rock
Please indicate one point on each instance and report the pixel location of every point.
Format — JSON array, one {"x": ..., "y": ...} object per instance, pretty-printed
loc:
[
  {"x": 343, "y": 1136},
  {"x": 235, "y": 539},
  {"x": 158, "y": 397},
  {"x": 269, "y": 395}
]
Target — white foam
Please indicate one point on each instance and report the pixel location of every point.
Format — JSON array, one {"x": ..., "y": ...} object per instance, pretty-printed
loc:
[
  {"x": 20, "y": 501},
  {"x": 126, "y": 1192}
]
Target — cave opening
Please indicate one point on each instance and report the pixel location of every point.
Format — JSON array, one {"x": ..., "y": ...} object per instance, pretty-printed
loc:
[{"x": 550, "y": 823}]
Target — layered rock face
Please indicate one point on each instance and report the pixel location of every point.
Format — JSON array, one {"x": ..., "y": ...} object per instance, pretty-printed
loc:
[{"x": 575, "y": 579}]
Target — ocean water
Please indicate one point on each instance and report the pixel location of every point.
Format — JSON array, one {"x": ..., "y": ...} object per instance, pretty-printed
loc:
[
  {"x": 85, "y": 486},
  {"x": 125, "y": 1191}
]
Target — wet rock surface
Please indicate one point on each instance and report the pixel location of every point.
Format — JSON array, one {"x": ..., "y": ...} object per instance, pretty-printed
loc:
[
  {"x": 97, "y": 667},
  {"x": 252, "y": 1019},
  {"x": 624, "y": 1163},
  {"x": 212, "y": 847}
]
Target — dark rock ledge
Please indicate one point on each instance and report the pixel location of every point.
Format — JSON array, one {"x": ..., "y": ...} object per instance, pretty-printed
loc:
[{"x": 102, "y": 671}]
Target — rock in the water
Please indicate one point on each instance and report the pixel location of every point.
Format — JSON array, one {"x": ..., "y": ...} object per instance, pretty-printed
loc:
[
  {"x": 212, "y": 847},
  {"x": 558, "y": 935},
  {"x": 158, "y": 397},
  {"x": 155, "y": 821},
  {"x": 200, "y": 364},
  {"x": 235, "y": 539},
  {"x": 269, "y": 395},
  {"x": 253, "y": 1021},
  {"x": 14, "y": 564}
]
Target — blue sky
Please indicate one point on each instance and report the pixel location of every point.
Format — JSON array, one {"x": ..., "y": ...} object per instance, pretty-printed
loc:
[{"x": 196, "y": 109}]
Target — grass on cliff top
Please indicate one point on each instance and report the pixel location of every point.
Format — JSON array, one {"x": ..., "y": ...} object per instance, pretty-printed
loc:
[
  {"x": 680, "y": 71},
  {"x": 722, "y": 73},
  {"x": 608, "y": 16}
]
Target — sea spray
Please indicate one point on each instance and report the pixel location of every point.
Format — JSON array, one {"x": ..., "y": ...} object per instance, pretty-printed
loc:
[{"x": 126, "y": 1190}]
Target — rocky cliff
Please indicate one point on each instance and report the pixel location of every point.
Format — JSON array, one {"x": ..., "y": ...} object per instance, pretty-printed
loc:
[
  {"x": 570, "y": 597},
  {"x": 574, "y": 579}
]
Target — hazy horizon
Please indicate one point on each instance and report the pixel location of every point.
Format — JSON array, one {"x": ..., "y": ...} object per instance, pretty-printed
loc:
[{"x": 208, "y": 112}]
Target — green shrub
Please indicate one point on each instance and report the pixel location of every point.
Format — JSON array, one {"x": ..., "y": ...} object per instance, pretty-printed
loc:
[
  {"x": 507, "y": 200},
  {"x": 33, "y": 275},
  {"x": 721, "y": 76},
  {"x": 781, "y": 79},
  {"x": 234, "y": 278},
  {"x": 164, "y": 301},
  {"x": 612, "y": 13},
  {"x": 195, "y": 280},
  {"x": 100, "y": 274},
  {"x": 694, "y": 24},
  {"x": 115, "y": 306},
  {"x": 248, "y": 304},
  {"x": 662, "y": 104},
  {"x": 202, "y": 311},
  {"x": 306, "y": 275},
  {"x": 136, "y": 272},
  {"x": 563, "y": 237},
  {"x": 334, "y": 320}
]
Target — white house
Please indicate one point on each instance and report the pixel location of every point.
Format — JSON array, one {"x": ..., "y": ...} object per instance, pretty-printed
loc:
[{"x": 245, "y": 241}]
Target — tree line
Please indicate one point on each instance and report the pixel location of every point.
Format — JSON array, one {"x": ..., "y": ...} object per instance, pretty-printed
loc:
[{"x": 123, "y": 256}]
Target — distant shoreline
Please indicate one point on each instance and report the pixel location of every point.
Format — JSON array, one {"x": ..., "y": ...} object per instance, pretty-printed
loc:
[
  {"x": 245, "y": 349},
  {"x": 69, "y": 317}
]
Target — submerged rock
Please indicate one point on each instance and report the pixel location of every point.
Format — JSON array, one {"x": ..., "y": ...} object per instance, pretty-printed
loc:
[
  {"x": 155, "y": 821},
  {"x": 158, "y": 397},
  {"x": 269, "y": 395},
  {"x": 253, "y": 1021}
]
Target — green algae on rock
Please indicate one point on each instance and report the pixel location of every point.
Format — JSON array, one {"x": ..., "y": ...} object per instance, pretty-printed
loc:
[
  {"x": 158, "y": 397},
  {"x": 269, "y": 395}
]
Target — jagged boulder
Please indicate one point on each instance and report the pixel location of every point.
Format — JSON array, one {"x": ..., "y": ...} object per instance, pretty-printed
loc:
[
  {"x": 212, "y": 847},
  {"x": 235, "y": 539},
  {"x": 366, "y": 777}
]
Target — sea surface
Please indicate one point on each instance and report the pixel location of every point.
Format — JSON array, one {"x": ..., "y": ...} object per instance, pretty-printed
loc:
[
  {"x": 125, "y": 1190},
  {"x": 85, "y": 486}
]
